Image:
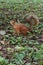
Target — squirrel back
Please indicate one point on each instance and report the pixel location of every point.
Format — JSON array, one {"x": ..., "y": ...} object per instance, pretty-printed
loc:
[
  {"x": 32, "y": 19},
  {"x": 20, "y": 28}
]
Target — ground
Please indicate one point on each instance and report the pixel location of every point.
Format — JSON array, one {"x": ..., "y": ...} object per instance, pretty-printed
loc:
[{"x": 20, "y": 50}]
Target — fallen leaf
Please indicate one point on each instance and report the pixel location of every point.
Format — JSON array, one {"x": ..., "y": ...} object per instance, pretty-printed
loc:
[
  {"x": 2, "y": 32},
  {"x": 2, "y": 42},
  {"x": 0, "y": 47},
  {"x": 41, "y": 40}
]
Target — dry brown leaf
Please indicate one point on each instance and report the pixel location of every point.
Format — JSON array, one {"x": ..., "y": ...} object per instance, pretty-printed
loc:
[
  {"x": 0, "y": 47},
  {"x": 2, "y": 42},
  {"x": 41, "y": 40}
]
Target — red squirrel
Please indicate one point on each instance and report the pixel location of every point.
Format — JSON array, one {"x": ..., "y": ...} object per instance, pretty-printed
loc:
[
  {"x": 20, "y": 28},
  {"x": 32, "y": 19}
]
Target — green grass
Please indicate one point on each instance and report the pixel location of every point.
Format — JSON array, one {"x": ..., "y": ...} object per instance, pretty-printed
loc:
[
  {"x": 21, "y": 1},
  {"x": 18, "y": 48}
]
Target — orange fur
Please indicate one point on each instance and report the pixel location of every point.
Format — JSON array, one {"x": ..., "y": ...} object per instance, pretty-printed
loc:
[{"x": 19, "y": 28}]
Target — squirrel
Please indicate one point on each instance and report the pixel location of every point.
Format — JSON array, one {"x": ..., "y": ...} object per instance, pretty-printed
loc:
[
  {"x": 32, "y": 19},
  {"x": 20, "y": 28}
]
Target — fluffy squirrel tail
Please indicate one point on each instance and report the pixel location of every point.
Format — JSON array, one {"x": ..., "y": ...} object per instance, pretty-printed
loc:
[{"x": 32, "y": 19}]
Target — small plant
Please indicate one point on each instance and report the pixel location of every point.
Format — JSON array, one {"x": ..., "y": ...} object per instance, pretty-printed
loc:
[{"x": 3, "y": 61}]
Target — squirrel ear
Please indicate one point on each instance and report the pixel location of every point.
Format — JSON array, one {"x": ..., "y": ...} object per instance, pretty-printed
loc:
[{"x": 12, "y": 22}]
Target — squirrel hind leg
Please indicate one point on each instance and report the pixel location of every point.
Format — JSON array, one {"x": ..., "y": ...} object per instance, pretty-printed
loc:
[
  {"x": 18, "y": 32},
  {"x": 24, "y": 33}
]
